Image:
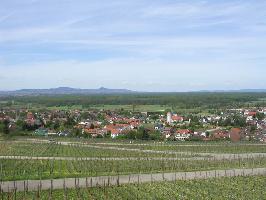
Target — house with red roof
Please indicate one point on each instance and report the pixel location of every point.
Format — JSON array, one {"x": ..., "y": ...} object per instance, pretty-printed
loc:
[
  {"x": 95, "y": 132},
  {"x": 117, "y": 129},
  {"x": 220, "y": 134},
  {"x": 177, "y": 118}
]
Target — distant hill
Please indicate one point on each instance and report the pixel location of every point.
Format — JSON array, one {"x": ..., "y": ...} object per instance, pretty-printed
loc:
[
  {"x": 103, "y": 90},
  {"x": 64, "y": 90}
]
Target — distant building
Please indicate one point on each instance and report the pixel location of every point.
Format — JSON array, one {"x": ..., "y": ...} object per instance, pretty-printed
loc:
[
  {"x": 169, "y": 117},
  {"x": 30, "y": 116},
  {"x": 176, "y": 118},
  {"x": 117, "y": 129}
]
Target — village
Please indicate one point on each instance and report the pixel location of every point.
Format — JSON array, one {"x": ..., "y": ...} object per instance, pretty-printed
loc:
[{"x": 230, "y": 124}]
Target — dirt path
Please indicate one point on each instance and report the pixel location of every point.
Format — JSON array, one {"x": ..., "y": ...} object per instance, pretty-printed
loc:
[
  {"x": 178, "y": 144},
  {"x": 34, "y": 185}
]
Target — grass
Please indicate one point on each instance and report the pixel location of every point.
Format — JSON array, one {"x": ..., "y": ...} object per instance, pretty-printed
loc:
[{"x": 244, "y": 188}]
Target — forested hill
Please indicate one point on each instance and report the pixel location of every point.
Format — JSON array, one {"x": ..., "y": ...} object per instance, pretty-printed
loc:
[{"x": 64, "y": 90}]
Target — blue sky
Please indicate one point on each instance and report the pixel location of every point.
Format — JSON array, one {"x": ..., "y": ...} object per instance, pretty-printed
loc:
[{"x": 146, "y": 45}]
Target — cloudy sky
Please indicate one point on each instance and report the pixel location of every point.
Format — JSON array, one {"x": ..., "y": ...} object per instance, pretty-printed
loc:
[{"x": 145, "y": 45}]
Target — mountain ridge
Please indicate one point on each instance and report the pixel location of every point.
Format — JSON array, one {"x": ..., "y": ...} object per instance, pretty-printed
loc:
[
  {"x": 103, "y": 90},
  {"x": 65, "y": 90}
]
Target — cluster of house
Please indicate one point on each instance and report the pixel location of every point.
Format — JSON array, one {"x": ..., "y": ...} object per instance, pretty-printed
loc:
[
  {"x": 115, "y": 126},
  {"x": 114, "y": 123},
  {"x": 234, "y": 134}
]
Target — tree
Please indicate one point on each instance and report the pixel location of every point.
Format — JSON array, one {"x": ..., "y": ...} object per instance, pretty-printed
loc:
[
  {"x": 131, "y": 135},
  {"x": 142, "y": 134},
  {"x": 92, "y": 126},
  {"x": 253, "y": 128},
  {"x": 6, "y": 126},
  {"x": 155, "y": 135},
  {"x": 78, "y": 132},
  {"x": 260, "y": 116},
  {"x": 20, "y": 124},
  {"x": 70, "y": 121},
  {"x": 56, "y": 125}
]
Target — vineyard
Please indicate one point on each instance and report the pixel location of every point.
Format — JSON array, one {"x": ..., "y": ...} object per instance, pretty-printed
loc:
[
  {"x": 27, "y": 161},
  {"x": 194, "y": 147},
  {"x": 71, "y": 150},
  {"x": 217, "y": 188}
]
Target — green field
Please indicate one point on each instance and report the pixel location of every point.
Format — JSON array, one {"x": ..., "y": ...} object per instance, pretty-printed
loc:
[
  {"x": 195, "y": 147},
  {"x": 74, "y": 158},
  {"x": 244, "y": 188},
  {"x": 137, "y": 108},
  {"x": 65, "y": 108},
  {"x": 56, "y": 150},
  {"x": 52, "y": 169},
  {"x": 130, "y": 162}
]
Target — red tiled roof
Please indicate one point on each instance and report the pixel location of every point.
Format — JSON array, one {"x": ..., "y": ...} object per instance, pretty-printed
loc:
[
  {"x": 90, "y": 131},
  {"x": 252, "y": 113},
  {"x": 177, "y": 118},
  {"x": 115, "y": 131},
  {"x": 183, "y": 131},
  {"x": 236, "y": 130},
  {"x": 116, "y": 126}
]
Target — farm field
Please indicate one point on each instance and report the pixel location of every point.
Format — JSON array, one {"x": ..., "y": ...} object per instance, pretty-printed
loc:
[
  {"x": 216, "y": 188},
  {"x": 72, "y": 150},
  {"x": 24, "y": 169},
  {"x": 195, "y": 147},
  {"x": 137, "y": 108},
  {"x": 22, "y": 160},
  {"x": 52, "y": 169},
  {"x": 40, "y": 159}
]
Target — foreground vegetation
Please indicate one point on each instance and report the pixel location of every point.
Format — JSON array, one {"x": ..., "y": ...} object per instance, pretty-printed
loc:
[
  {"x": 73, "y": 159},
  {"x": 217, "y": 188},
  {"x": 53, "y": 169}
]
